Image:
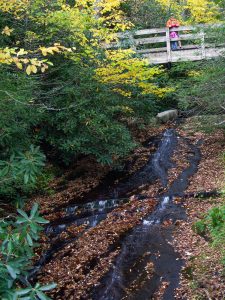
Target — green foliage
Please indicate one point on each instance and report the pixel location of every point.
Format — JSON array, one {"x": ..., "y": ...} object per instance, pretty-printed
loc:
[
  {"x": 19, "y": 173},
  {"x": 89, "y": 119},
  {"x": 17, "y": 116},
  {"x": 19, "y": 235},
  {"x": 214, "y": 225},
  {"x": 203, "y": 87},
  {"x": 43, "y": 180},
  {"x": 199, "y": 91},
  {"x": 23, "y": 164}
]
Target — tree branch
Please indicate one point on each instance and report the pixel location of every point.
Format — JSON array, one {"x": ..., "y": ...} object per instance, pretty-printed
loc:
[
  {"x": 220, "y": 123},
  {"x": 37, "y": 105}
]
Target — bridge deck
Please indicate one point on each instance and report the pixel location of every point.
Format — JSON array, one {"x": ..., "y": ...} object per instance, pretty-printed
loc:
[{"x": 185, "y": 54}]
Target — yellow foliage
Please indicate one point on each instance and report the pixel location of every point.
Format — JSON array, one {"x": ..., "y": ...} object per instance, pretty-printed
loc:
[
  {"x": 201, "y": 11},
  {"x": 11, "y": 56},
  {"x": 17, "y": 7},
  {"x": 121, "y": 68},
  {"x": 194, "y": 73},
  {"x": 122, "y": 92}
]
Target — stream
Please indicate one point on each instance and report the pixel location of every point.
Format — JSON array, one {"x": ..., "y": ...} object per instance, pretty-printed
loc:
[{"x": 149, "y": 243}]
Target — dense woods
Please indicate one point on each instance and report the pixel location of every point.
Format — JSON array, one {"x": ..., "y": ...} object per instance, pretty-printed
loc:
[{"x": 64, "y": 97}]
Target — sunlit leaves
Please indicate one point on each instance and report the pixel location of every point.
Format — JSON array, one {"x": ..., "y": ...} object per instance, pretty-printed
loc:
[
  {"x": 57, "y": 48},
  {"x": 31, "y": 69},
  {"x": 121, "y": 68},
  {"x": 88, "y": 25},
  {"x": 21, "y": 52},
  {"x": 20, "y": 57},
  {"x": 7, "y": 31},
  {"x": 201, "y": 11}
]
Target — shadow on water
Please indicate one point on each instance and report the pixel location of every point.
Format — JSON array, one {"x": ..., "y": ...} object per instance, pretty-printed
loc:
[{"x": 148, "y": 242}]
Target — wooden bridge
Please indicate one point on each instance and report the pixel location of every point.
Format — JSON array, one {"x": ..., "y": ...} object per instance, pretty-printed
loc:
[{"x": 155, "y": 44}]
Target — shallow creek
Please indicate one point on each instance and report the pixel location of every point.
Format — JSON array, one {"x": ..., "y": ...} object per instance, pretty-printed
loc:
[{"x": 149, "y": 243}]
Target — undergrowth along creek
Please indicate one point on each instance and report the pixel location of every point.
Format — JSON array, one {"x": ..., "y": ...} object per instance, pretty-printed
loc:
[{"x": 134, "y": 245}]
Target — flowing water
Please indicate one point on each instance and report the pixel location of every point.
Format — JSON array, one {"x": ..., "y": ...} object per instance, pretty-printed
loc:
[{"x": 147, "y": 258}]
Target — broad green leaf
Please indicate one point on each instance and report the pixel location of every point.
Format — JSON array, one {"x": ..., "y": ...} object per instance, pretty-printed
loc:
[
  {"x": 33, "y": 227},
  {"x": 14, "y": 296},
  {"x": 42, "y": 296},
  {"x": 26, "y": 178},
  {"x": 23, "y": 292},
  {"x": 22, "y": 213},
  {"x": 10, "y": 283},
  {"x": 9, "y": 246},
  {"x": 20, "y": 220},
  {"x": 41, "y": 220},
  {"x": 48, "y": 287},
  {"x": 34, "y": 210},
  {"x": 4, "y": 171},
  {"x": 29, "y": 240},
  {"x": 11, "y": 272}
]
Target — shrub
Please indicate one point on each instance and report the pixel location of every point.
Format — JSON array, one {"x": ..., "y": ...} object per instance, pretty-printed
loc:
[
  {"x": 18, "y": 174},
  {"x": 19, "y": 235},
  {"x": 213, "y": 224}
]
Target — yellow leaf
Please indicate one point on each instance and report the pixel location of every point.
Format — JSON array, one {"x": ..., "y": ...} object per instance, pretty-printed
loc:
[
  {"x": 44, "y": 51},
  {"x": 21, "y": 52},
  {"x": 26, "y": 61},
  {"x": 28, "y": 70},
  {"x": 19, "y": 65},
  {"x": 7, "y": 31},
  {"x": 50, "y": 50},
  {"x": 33, "y": 69}
]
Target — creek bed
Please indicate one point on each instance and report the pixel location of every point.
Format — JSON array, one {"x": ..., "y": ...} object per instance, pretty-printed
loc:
[{"x": 143, "y": 257}]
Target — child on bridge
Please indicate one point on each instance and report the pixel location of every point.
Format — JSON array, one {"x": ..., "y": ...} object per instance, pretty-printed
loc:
[{"x": 174, "y": 23}]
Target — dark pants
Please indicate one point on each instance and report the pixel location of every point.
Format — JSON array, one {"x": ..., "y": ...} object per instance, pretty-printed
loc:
[{"x": 174, "y": 45}]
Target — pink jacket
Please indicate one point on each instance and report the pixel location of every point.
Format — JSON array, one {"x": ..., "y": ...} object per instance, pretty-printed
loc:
[{"x": 174, "y": 35}]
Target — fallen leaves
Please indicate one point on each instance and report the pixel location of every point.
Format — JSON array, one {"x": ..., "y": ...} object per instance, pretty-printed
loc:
[
  {"x": 81, "y": 264},
  {"x": 202, "y": 275}
]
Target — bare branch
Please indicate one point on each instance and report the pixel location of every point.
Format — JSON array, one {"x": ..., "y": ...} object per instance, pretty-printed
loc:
[
  {"x": 220, "y": 123},
  {"x": 42, "y": 105},
  {"x": 222, "y": 107}
]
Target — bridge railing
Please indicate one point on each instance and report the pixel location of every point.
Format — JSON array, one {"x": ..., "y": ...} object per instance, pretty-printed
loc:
[{"x": 157, "y": 41}]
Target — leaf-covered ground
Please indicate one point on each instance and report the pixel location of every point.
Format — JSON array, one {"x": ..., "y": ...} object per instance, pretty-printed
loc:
[
  {"x": 203, "y": 273},
  {"x": 81, "y": 264}
]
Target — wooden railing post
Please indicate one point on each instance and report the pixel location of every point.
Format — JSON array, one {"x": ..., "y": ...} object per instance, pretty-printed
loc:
[
  {"x": 203, "y": 43},
  {"x": 132, "y": 41},
  {"x": 168, "y": 46}
]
